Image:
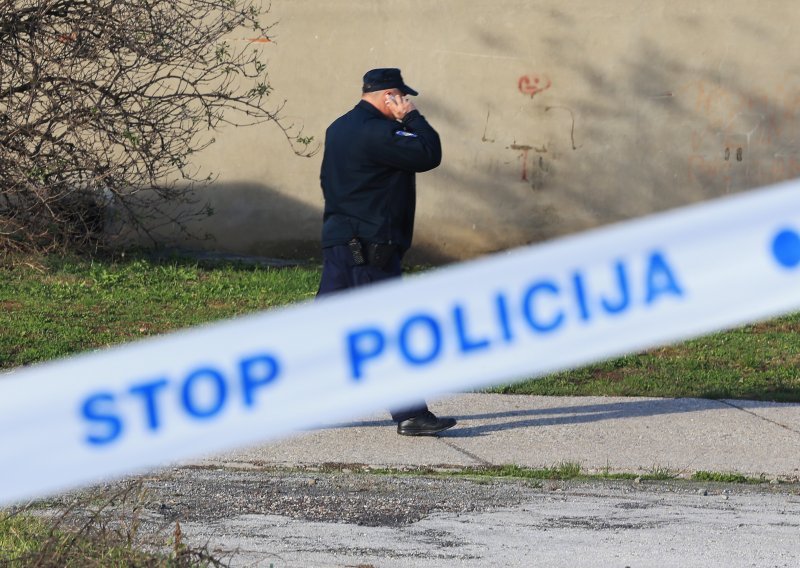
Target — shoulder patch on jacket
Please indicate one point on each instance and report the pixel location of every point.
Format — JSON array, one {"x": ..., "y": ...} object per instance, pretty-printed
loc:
[{"x": 404, "y": 133}]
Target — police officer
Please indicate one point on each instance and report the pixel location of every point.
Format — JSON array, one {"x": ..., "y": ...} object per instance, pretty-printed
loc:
[{"x": 368, "y": 180}]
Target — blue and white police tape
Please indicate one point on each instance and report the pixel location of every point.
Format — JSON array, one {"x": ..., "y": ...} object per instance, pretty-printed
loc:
[{"x": 519, "y": 314}]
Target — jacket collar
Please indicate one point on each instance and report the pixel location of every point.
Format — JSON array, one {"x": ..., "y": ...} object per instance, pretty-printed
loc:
[{"x": 362, "y": 104}]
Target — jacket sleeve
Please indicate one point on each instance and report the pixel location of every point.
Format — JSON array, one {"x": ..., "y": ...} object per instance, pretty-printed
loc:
[{"x": 412, "y": 146}]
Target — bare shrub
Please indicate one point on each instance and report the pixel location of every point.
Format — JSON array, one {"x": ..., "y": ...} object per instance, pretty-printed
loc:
[{"x": 104, "y": 102}]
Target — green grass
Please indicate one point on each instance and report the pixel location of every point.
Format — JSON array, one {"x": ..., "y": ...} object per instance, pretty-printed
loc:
[
  {"x": 560, "y": 472},
  {"x": 20, "y": 536},
  {"x": 718, "y": 477},
  {"x": 65, "y": 306},
  {"x": 102, "y": 529},
  {"x": 755, "y": 362},
  {"x": 563, "y": 470},
  {"x": 659, "y": 473},
  {"x": 29, "y": 541},
  {"x": 54, "y": 307}
]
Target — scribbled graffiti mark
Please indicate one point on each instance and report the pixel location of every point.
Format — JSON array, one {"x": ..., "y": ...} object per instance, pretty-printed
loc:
[
  {"x": 541, "y": 174},
  {"x": 524, "y": 149},
  {"x": 739, "y": 154},
  {"x": 533, "y": 84},
  {"x": 485, "y": 128},
  {"x": 754, "y": 128},
  {"x": 572, "y": 128}
]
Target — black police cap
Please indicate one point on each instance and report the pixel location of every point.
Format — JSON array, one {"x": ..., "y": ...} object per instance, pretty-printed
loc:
[{"x": 381, "y": 79}]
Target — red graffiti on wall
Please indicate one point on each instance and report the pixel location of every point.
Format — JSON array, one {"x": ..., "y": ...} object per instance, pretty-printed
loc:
[
  {"x": 533, "y": 84},
  {"x": 524, "y": 149}
]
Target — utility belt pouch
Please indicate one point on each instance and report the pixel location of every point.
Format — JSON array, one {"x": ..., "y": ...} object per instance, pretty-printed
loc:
[
  {"x": 357, "y": 251},
  {"x": 379, "y": 254}
]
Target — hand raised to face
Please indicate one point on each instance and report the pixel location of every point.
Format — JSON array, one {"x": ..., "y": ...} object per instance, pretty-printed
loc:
[{"x": 399, "y": 105}]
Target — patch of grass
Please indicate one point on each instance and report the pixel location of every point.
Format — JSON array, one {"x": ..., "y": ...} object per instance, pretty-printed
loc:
[
  {"x": 63, "y": 306},
  {"x": 727, "y": 478},
  {"x": 606, "y": 474},
  {"x": 29, "y": 541},
  {"x": 100, "y": 531},
  {"x": 53, "y": 307},
  {"x": 616, "y": 476},
  {"x": 754, "y": 362},
  {"x": 20, "y": 536},
  {"x": 559, "y": 472},
  {"x": 658, "y": 473}
]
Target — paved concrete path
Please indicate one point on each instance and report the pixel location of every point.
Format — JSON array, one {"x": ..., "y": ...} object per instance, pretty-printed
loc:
[
  {"x": 602, "y": 434},
  {"x": 592, "y": 524},
  {"x": 577, "y": 527}
]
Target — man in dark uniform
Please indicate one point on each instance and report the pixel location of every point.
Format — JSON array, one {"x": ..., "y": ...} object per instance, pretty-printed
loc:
[{"x": 371, "y": 156}]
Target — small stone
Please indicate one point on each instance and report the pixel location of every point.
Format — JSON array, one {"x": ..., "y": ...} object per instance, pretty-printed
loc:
[
  {"x": 637, "y": 480},
  {"x": 702, "y": 491},
  {"x": 774, "y": 482},
  {"x": 312, "y": 481},
  {"x": 724, "y": 497}
]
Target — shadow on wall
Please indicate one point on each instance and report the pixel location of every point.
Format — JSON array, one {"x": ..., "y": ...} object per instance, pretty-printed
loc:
[
  {"x": 583, "y": 141},
  {"x": 255, "y": 220},
  {"x": 651, "y": 132}
]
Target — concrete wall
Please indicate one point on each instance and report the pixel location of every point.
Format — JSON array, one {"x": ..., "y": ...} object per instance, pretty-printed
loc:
[{"x": 555, "y": 116}]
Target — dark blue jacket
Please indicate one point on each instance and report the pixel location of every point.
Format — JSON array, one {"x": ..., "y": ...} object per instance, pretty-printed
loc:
[{"x": 368, "y": 175}]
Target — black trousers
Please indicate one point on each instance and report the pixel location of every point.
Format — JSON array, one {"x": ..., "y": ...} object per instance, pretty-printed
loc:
[{"x": 340, "y": 272}]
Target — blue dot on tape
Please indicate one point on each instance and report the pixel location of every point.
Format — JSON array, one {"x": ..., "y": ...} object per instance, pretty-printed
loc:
[{"x": 786, "y": 248}]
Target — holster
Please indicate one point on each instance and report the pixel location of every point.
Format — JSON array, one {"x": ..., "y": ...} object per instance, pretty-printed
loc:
[
  {"x": 379, "y": 254},
  {"x": 374, "y": 254}
]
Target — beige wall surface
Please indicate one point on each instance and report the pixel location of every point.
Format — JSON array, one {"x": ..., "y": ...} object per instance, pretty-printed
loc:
[{"x": 555, "y": 116}]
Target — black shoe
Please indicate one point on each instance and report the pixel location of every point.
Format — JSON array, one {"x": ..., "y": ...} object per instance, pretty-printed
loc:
[{"x": 426, "y": 424}]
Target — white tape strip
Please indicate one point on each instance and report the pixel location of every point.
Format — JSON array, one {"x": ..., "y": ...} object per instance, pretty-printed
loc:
[{"x": 527, "y": 312}]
